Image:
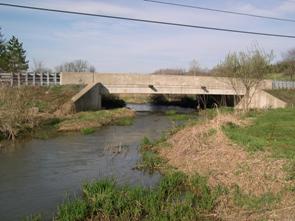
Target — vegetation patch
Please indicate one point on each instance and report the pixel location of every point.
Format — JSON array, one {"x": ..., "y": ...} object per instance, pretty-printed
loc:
[
  {"x": 72, "y": 210},
  {"x": 87, "y": 131},
  {"x": 22, "y": 109},
  {"x": 177, "y": 197},
  {"x": 96, "y": 119},
  {"x": 125, "y": 121},
  {"x": 37, "y": 217},
  {"x": 271, "y": 131},
  {"x": 252, "y": 202},
  {"x": 173, "y": 115}
]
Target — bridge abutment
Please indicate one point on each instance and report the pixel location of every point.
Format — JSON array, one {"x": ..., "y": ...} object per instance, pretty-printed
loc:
[{"x": 88, "y": 99}]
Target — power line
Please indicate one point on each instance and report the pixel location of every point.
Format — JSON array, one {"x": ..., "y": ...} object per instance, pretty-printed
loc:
[
  {"x": 146, "y": 21},
  {"x": 222, "y": 11}
]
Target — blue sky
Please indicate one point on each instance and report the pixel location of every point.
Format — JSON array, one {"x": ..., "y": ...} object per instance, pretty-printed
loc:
[{"x": 119, "y": 46}]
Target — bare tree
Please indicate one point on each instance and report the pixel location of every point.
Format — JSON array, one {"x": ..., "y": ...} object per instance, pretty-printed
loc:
[
  {"x": 39, "y": 67},
  {"x": 75, "y": 66},
  {"x": 246, "y": 72},
  {"x": 195, "y": 69},
  {"x": 289, "y": 63},
  {"x": 170, "y": 72}
]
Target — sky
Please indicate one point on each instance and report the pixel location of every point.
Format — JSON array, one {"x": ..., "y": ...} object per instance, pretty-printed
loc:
[{"x": 133, "y": 47}]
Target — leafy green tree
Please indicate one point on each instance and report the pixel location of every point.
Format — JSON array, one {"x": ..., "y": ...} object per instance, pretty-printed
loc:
[
  {"x": 2, "y": 52},
  {"x": 16, "y": 56}
]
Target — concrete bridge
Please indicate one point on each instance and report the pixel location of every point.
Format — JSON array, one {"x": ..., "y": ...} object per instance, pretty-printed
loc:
[{"x": 99, "y": 84}]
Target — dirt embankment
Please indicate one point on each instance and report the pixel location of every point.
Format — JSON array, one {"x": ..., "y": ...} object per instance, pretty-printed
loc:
[{"x": 249, "y": 177}]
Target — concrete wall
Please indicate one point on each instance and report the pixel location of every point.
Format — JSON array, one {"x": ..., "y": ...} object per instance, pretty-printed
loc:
[
  {"x": 262, "y": 100},
  {"x": 89, "y": 98}
]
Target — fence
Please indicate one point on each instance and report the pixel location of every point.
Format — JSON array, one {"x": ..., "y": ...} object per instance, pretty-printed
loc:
[
  {"x": 30, "y": 78},
  {"x": 283, "y": 84}
]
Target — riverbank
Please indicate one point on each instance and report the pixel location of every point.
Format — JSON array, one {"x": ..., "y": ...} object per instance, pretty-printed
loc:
[
  {"x": 89, "y": 121},
  {"x": 41, "y": 111},
  {"x": 252, "y": 156}
]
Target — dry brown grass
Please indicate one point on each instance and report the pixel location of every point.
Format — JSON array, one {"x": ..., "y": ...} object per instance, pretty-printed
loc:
[
  {"x": 23, "y": 108},
  {"x": 206, "y": 150},
  {"x": 15, "y": 116}
]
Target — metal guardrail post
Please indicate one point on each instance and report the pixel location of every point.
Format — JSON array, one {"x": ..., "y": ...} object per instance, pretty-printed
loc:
[
  {"x": 48, "y": 79},
  {"x": 26, "y": 76},
  {"x": 54, "y": 77}
]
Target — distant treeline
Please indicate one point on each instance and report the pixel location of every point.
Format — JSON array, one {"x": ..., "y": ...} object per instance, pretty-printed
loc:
[{"x": 285, "y": 67}]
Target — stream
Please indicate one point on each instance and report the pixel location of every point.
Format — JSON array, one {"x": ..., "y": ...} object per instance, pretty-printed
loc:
[{"x": 37, "y": 175}]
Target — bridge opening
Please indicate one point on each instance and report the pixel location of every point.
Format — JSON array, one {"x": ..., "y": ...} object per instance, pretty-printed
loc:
[{"x": 186, "y": 101}]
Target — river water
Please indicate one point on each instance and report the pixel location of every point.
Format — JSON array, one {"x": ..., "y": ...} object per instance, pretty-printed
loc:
[{"x": 36, "y": 175}]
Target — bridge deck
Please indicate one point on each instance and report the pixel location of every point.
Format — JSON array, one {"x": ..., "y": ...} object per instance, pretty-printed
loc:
[{"x": 156, "y": 84}]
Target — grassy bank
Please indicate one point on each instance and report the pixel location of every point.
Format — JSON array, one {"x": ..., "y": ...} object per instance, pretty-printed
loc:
[
  {"x": 42, "y": 112},
  {"x": 272, "y": 131},
  {"x": 177, "y": 197},
  {"x": 25, "y": 108},
  {"x": 250, "y": 156},
  {"x": 87, "y": 122}
]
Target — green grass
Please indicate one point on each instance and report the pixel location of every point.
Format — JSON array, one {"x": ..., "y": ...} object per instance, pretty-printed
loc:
[
  {"x": 125, "y": 121},
  {"x": 278, "y": 77},
  {"x": 96, "y": 119},
  {"x": 87, "y": 131},
  {"x": 72, "y": 210},
  {"x": 251, "y": 202},
  {"x": 173, "y": 115},
  {"x": 47, "y": 129},
  {"x": 177, "y": 197},
  {"x": 37, "y": 217},
  {"x": 271, "y": 130},
  {"x": 150, "y": 161}
]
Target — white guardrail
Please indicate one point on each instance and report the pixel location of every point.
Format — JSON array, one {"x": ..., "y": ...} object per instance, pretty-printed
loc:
[{"x": 30, "y": 78}]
